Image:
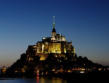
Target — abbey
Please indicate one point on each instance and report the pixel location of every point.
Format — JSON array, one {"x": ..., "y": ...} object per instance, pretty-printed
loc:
[
  {"x": 52, "y": 56},
  {"x": 56, "y": 44}
]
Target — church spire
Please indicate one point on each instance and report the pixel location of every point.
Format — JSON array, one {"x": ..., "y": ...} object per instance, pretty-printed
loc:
[
  {"x": 53, "y": 21},
  {"x": 53, "y": 30}
]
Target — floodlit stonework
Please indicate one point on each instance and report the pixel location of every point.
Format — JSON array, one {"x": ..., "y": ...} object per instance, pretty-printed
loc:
[{"x": 56, "y": 44}]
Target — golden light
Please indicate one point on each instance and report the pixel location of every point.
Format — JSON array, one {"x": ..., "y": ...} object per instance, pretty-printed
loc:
[{"x": 42, "y": 58}]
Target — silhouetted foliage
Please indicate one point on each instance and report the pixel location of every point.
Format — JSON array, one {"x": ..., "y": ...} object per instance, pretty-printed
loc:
[{"x": 26, "y": 67}]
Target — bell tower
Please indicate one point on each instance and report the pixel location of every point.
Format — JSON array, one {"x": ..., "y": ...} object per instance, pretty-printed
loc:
[{"x": 53, "y": 30}]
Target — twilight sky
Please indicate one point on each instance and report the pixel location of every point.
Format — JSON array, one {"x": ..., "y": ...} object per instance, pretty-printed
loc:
[{"x": 84, "y": 22}]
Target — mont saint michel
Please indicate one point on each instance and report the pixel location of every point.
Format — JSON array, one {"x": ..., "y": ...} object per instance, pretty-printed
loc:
[
  {"x": 53, "y": 56},
  {"x": 56, "y": 44}
]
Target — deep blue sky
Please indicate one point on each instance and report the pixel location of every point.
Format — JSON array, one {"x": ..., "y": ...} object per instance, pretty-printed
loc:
[{"x": 84, "y": 22}]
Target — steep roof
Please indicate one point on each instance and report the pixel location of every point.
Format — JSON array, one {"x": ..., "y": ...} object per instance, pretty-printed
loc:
[{"x": 53, "y": 30}]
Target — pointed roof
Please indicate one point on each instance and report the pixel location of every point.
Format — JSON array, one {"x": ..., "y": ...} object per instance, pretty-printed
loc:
[{"x": 53, "y": 30}]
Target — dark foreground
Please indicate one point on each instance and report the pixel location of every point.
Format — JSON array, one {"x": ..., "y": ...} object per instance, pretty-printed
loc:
[
  {"x": 92, "y": 76},
  {"x": 69, "y": 77}
]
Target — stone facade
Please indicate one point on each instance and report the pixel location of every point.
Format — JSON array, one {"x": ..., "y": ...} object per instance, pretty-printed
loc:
[{"x": 56, "y": 44}]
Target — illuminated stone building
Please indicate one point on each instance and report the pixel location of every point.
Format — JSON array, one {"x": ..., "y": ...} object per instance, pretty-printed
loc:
[
  {"x": 52, "y": 55},
  {"x": 56, "y": 44}
]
